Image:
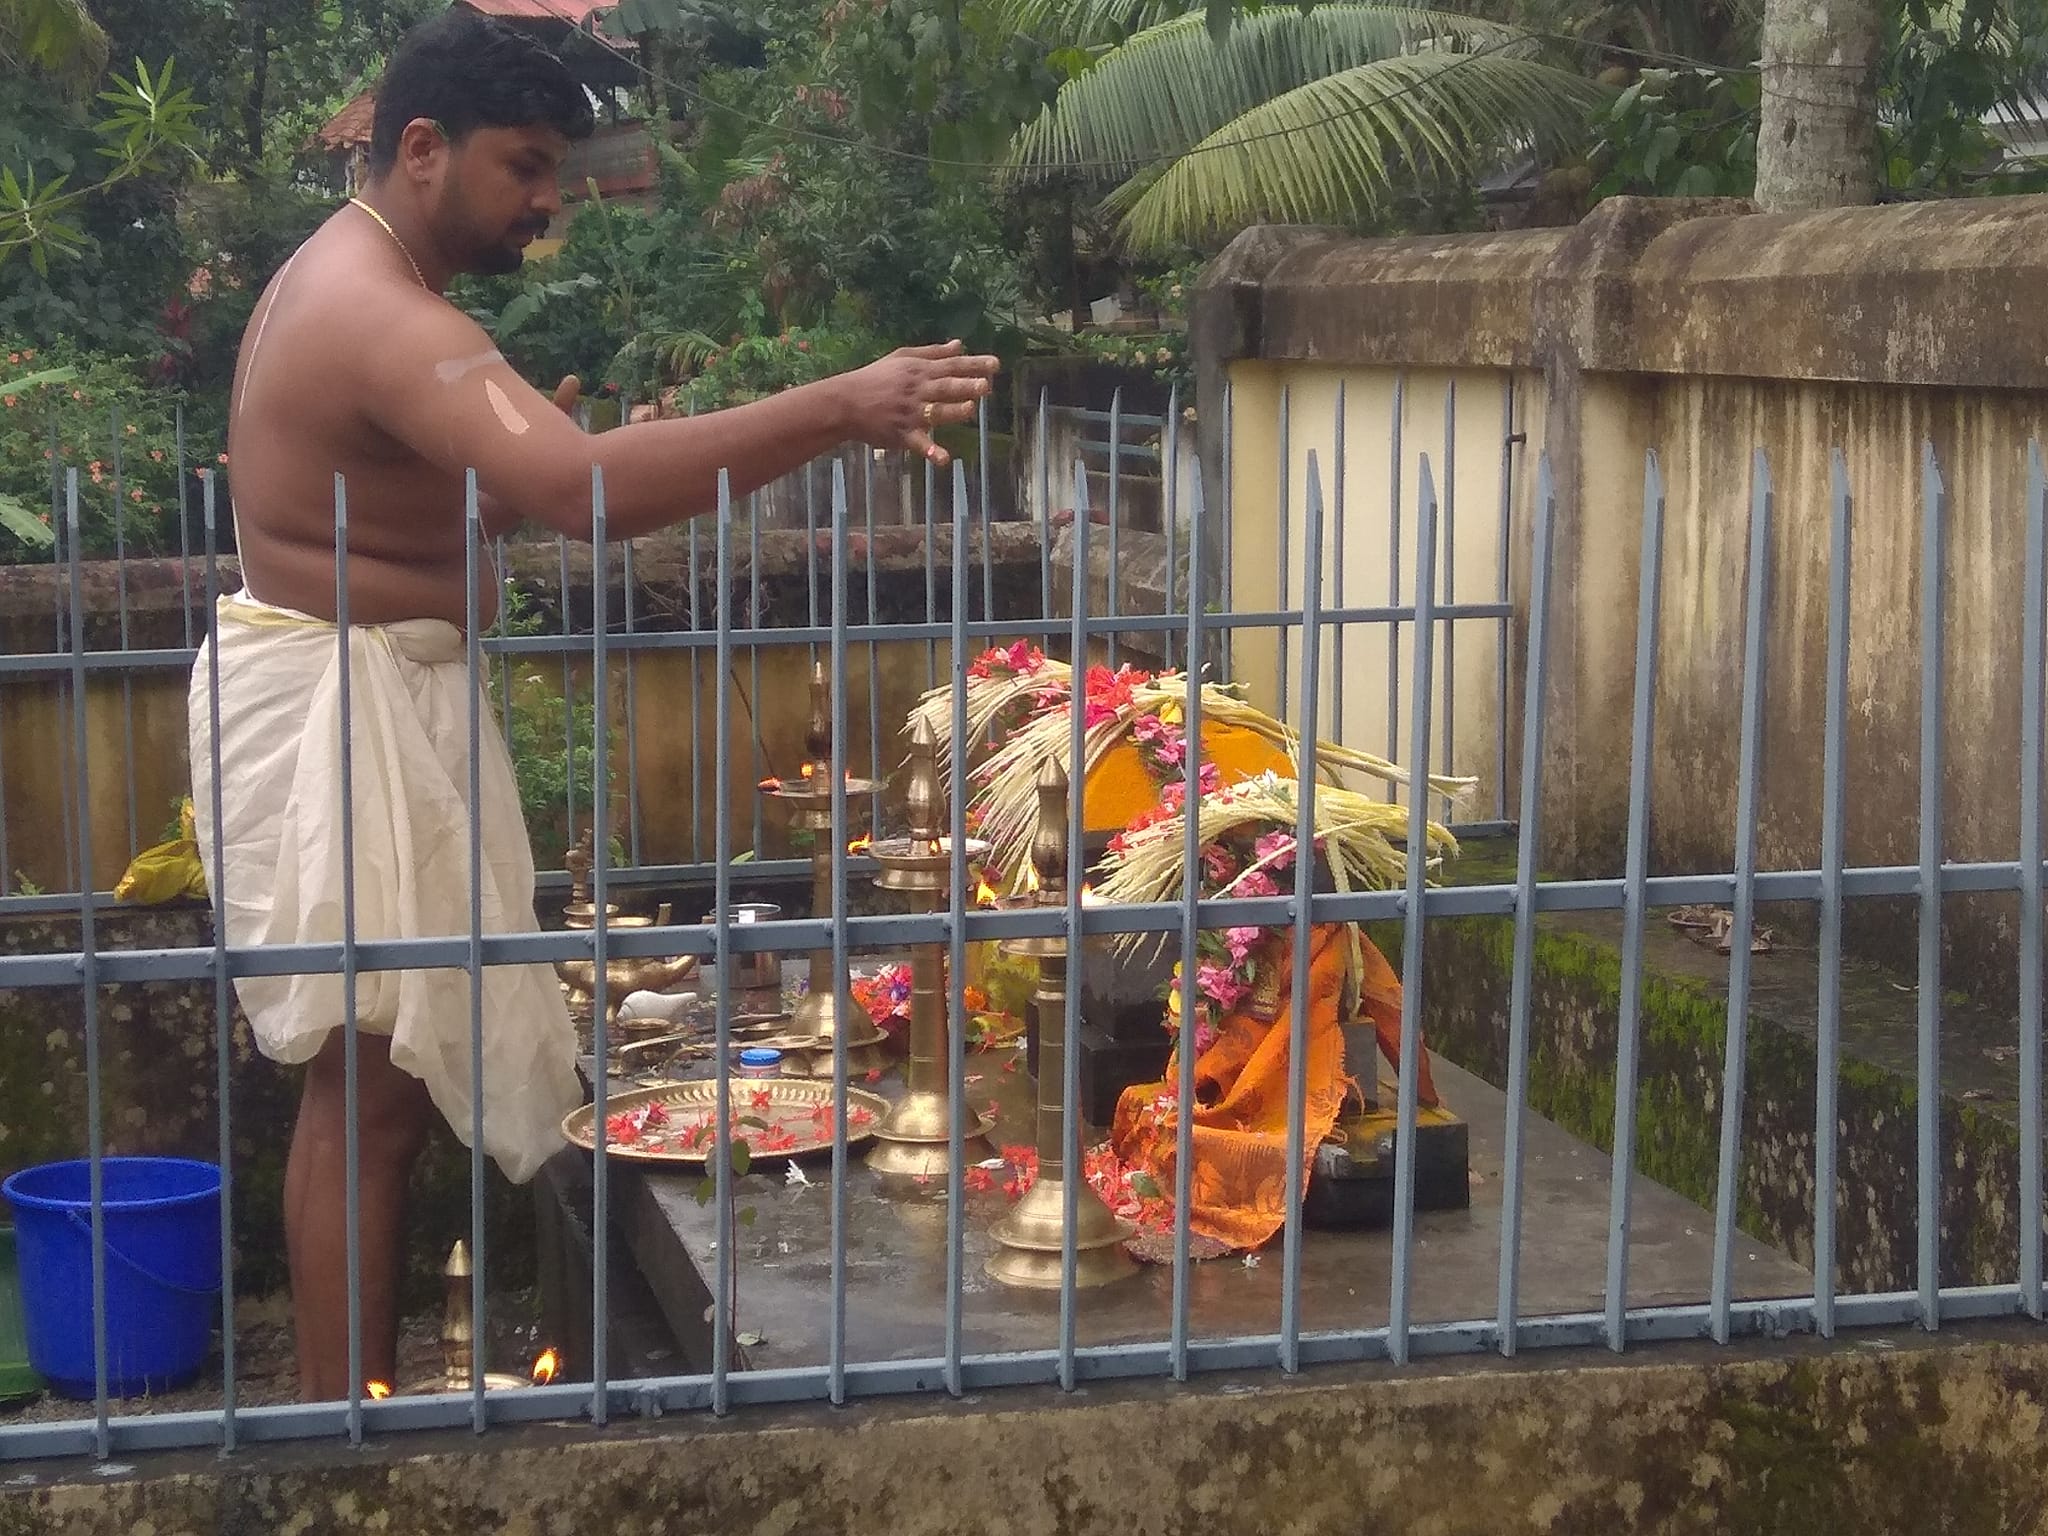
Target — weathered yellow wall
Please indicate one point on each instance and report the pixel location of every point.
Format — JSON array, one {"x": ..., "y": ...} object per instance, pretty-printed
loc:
[
  {"x": 36, "y": 737},
  {"x": 1362, "y": 702},
  {"x": 1705, "y": 332}
]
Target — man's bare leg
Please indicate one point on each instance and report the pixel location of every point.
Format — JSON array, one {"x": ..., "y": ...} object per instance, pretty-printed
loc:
[{"x": 393, "y": 1116}]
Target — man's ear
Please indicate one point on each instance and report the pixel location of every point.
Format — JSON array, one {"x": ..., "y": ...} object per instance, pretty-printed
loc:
[{"x": 421, "y": 144}]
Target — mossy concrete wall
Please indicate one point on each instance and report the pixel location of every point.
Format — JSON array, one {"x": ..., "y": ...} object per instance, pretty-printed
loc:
[
  {"x": 1921, "y": 1436},
  {"x": 1574, "y": 1024}
]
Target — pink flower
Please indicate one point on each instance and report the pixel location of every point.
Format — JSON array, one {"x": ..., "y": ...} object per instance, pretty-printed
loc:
[
  {"x": 1242, "y": 942},
  {"x": 1255, "y": 883},
  {"x": 1148, "y": 728},
  {"x": 1220, "y": 986},
  {"x": 1274, "y": 850},
  {"x": 1216, "y": 864}
]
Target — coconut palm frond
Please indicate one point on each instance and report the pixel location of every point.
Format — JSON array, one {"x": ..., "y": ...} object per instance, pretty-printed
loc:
[
  {"x": 1084, "y": 24},
  {"x": 1173, "y": 85},
  {"x": 1339, "y": 149}
]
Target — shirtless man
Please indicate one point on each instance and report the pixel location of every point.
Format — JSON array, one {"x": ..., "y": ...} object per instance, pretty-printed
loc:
[{"x": 354, "y": 364}]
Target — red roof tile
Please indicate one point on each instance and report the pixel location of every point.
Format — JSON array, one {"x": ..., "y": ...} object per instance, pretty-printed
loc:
[
  {"x": 351, "y": 125},
  {"x": 576, "y": 12}
]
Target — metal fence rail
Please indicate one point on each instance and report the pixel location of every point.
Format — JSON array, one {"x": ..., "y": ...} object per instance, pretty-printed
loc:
[{"x": 1428, "y": 615}]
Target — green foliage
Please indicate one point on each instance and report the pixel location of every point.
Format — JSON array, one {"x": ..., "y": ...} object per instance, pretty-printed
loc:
[
  {"x": 812, "y": 218},
  {"x": 1679, "y": 133},
  {"x": 1949, "y": 70},
  {"x": 146, "y": 125},
  {"x": 553, "y": 750},
  {"x": 1948, "y": 66},
  {"x": 127, "y": 473},
  {"x": 55, "y": 38},
  {"x": 268, "y": 72}
]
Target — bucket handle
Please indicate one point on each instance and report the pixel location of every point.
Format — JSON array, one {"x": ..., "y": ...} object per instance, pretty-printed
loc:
[{"x": 154, "y": 1278}]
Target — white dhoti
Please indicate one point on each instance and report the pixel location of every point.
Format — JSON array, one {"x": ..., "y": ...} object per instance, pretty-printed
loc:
[{"x": 282, "y": 857}]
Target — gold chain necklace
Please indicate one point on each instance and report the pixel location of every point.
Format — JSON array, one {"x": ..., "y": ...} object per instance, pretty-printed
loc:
[{"x": 385, "y": 225}]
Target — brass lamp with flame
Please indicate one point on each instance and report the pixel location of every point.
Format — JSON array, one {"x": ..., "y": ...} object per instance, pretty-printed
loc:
[
  {"x": 458, "y": 1336},
  {"x": 816, "y": 1018},
  {"x": 1032, "y": 1235},
  {"x": 915, "y": 1138}
]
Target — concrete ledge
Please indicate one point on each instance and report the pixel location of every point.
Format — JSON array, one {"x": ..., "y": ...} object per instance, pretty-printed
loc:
[
  {"x": 1936, "y": 293},
  {"x": 1908, "y": 1433}
]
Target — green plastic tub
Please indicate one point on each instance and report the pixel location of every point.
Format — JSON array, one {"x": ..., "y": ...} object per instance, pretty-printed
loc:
[{"x": 17, "y": 1379}]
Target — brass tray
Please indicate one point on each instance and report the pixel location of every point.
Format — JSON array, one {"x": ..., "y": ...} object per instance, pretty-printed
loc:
[{"x": 791, "y": 1108}]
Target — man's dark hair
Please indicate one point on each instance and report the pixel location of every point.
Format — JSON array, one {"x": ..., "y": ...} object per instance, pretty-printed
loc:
[{"x": 464, "y": 71}]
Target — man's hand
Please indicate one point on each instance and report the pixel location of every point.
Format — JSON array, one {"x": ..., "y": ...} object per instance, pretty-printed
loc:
[
  {"x": 567, "y": 393},
  {"x": 898, "y": 400}
]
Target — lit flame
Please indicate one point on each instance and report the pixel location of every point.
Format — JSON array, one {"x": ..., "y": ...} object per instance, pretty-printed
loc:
[
  {"x": 861, "y": 844},
  {"x": 378, "y": 1390},
  {"x": 1088, "y": 896},
  {"x": 1031, "y": 877},
  {"x": 984, "y": 893},
  {"x": 809, "y": 769},
  {"x": 546, "y": 1367}
]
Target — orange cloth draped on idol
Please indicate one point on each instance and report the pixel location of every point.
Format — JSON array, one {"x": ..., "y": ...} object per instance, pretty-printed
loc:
[{"x": 1238, "y": 1183}]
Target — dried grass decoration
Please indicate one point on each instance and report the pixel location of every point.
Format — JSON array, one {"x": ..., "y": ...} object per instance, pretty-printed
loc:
[{"x": 1019, "y": 698}]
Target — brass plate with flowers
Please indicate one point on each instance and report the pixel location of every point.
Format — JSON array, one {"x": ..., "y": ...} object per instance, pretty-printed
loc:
[{"x": 677, "y": 1123}]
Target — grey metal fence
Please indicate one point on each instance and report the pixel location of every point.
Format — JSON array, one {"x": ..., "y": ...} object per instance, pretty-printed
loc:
[{"x": 1425, "y": 613}]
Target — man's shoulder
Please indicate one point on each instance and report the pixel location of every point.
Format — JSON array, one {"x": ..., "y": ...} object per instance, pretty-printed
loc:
[{"x": 367, "y": 304}]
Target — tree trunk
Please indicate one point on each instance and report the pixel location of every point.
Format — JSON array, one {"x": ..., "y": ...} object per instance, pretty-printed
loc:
[
  {"x": 254, "y": 103},
  {"x": 1817, "y": 146}
]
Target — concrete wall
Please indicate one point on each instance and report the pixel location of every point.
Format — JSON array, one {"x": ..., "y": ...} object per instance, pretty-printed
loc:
[
  {"x": 1702, "y": 331},
  {"x": 673, "y": 748},
  {"x": 1915, "y": 1435}
]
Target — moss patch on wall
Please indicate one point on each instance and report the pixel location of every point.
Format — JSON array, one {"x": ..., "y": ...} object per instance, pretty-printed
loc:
[{"x": 1574, "y": 1035}]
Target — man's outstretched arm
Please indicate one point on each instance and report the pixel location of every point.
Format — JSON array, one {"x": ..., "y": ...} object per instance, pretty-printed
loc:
[{"x": 440, "y": 387}]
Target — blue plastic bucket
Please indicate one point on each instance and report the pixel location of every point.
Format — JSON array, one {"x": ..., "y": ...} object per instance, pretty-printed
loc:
[{"x": 162, "y": 1222}]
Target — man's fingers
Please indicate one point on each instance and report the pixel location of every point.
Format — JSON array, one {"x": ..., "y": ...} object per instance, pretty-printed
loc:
[
  {"x": 937, "y": 350},
  {"x": 567, "y": 393},
  {"x": 968, "y": 367},
  {"x": 921, "y": 444},
  {"x": 945, "y": 388}
]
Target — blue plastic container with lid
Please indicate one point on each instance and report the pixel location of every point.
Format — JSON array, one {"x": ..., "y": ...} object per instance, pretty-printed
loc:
[
  {"x": 161, "y": 1217},
  {"x": 759, "y": 1061}
]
